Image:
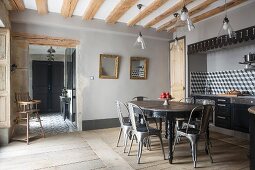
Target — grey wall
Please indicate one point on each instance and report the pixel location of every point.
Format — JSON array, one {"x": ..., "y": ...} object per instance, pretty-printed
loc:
[
  {"x": 95, "y": 98},
  {"x": 228, "y": 59}
]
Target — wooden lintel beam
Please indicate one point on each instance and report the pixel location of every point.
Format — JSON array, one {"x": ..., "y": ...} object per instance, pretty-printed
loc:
[
  {"x": 213, "y": 12},
  {"x": 121, "y": 8},
  {"x": 192, "y": 12},
  {"x": 148, "y": 10},
  {"x": 42, "y": 6},
  {"x": 92, "y": 9},
  {"x": 45, "y": 40},
  {"x": 68, "y": 7},
  {"x": 17, "y": 5},
  {"x": 170, "y": 11}
]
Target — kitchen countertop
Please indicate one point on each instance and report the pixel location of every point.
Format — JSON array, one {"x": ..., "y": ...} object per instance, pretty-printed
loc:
[
  {"x": 249, "y": 100},
  {"x": 252, "y": 110}
]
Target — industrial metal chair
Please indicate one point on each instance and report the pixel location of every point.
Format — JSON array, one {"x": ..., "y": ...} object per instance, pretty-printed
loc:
[
  {"x": 142, "y": 134},
  {"x": 139, "y": 98},
  {"x": 25, "y": 109},
  {"x": 193, "y": 134},
  {"x": 125, "y": 124}
]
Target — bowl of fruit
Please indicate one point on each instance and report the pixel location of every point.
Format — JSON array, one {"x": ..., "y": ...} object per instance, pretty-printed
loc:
[{"x": 166, "y": 96}]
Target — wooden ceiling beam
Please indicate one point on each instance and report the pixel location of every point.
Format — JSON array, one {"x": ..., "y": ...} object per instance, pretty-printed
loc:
[
  {"x": 192, "y": 12},
  {"x": 68, "y": 7},
  {"x": 148, "y": 10},
  {"x": 17, "y": 5},
  {"x": 92, "y": 9},
  {"x": 45, "y": 40},
  {"x": 120, "y": 9},
  {"x": 170, "y": 11},
  {"x": 213, "y": 12},
  {"x": 42, "y": 6}
]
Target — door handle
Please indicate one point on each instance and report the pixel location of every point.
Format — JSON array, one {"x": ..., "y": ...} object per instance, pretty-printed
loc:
[{"x": 223, "y": 105}]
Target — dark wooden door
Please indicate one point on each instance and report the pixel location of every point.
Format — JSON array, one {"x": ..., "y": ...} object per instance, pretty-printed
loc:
[{"x": 48, "y": 81}]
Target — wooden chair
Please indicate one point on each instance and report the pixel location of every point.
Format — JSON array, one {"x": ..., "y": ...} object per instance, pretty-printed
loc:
[{"x": 25, "y": 109}]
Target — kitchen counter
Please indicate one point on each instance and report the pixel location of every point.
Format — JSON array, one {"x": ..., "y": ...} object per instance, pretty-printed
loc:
[
  {"x": 233, "y": 99},
  {"x": 252, "y": 110}
]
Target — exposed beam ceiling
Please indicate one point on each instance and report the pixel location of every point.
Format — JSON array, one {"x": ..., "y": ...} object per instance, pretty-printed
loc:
[
  {"x": 148, "y": 10},
  {"x": 42, "y": 6},
  {"x": 192, "y": 12},
  {"x": 121, "y": 8},
  {"x": 17, "y": 5},
  {"x": 168, "y": 12},
  {"x": 92, "y": 8},
  {"x": 68, "y": 7},
  {"x": 213, "y": 12}
]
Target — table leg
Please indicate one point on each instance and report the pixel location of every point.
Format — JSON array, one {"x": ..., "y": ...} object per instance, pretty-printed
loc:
[
  {"x": 170, "y": 140},
  {"x": 166, "y": 128}
]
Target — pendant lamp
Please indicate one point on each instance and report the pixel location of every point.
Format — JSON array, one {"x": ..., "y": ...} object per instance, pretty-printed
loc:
[
  {"x": 226, "y": 28},
  {"x": 184, "y": 16},
  {"x": 140, "y": 43}
]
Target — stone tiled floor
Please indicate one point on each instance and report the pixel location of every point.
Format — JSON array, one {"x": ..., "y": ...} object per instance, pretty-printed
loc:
[
  {"x": 97, "y": 150},
  {"x": 53, "y": 124}
]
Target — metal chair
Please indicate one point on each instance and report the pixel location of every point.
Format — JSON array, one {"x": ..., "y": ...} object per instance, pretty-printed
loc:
[
  {"x": 193, "y": 134},
  {"x": 139, "y": 98},
  {"x": 148, "y": 115},
  {"x": 142, "y": 134},
  {"x": 125, "y": 124}
]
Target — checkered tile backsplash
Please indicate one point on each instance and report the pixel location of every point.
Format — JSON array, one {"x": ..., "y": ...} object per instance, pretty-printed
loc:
[{"x": 223, "y": 81}]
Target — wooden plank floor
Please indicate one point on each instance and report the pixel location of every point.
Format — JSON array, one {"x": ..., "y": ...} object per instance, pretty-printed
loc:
[{"x": 97, "y": 150}]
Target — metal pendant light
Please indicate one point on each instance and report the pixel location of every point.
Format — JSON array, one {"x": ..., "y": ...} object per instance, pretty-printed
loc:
[
  {"x": 185, "y": 17},
  {"x": 177, "y": 16},
  {"x": 226, "y": 28},
  {"x": 140, "y": 43},
  {"x": 51, "y": 55}
]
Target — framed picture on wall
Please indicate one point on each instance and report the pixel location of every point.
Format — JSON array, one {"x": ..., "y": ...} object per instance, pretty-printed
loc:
[{"x": 138, "y": 68}]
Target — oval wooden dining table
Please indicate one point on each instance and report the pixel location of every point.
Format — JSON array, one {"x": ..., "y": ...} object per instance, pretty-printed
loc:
[{"x": 170, "y": 113}]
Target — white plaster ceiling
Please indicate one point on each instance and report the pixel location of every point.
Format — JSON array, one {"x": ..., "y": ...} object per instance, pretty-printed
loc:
[
  {"x": 108, "y": 6},
  {"x": 41, "y": 49}
]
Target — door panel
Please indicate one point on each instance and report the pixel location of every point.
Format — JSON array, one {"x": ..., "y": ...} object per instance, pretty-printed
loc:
[
  {"x": 48, "y": 81},
  {"x": 57, "y": 84},
  {"x": 177, "y": 69},
  {"x": 4, "y": 78}
]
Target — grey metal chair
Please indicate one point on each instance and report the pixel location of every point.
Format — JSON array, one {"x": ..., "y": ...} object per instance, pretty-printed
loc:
[
  {"x": 142, "y": 133},
  {"x": 181, "y": 121},
  {"x": 125, "y": 124},
  {"x": 139, "y": 98},
  {"x": 193, "y": 134}
]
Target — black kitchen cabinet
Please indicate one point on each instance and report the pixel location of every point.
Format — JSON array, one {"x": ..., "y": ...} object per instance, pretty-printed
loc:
[
  {"x": 240, "y": 117},
  {"x": 223, "y": 116},
  {"x": 252, "y": 141}
]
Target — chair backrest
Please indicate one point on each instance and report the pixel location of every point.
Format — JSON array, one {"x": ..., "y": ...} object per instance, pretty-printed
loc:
[
  {"x": 139, "y": 98},
  {"x": 136, "y": 110},
  {"x": 22, "y": 97},
  {"x": 207, "y": 110},
  {"x": 187, "y": 100},
  {"x": 122, "y": 112}
]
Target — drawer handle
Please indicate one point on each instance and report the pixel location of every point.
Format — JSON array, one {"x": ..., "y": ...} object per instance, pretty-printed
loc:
[
  {"x": 222, "y": 105},
  {"x": 221, "y": 117},
  {"x": 221, "y": 100}
]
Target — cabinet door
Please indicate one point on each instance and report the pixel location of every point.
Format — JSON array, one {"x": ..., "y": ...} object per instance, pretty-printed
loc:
[
  {"x": 4, "y": 78},
  {"x": 241, "y": 117}
]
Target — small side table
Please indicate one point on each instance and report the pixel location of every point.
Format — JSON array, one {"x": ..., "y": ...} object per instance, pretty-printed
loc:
[{"x": 64, "y": 106}]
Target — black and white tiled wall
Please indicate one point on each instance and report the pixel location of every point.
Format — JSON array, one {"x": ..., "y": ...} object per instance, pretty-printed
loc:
[{"x": 222, "y": 81}]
